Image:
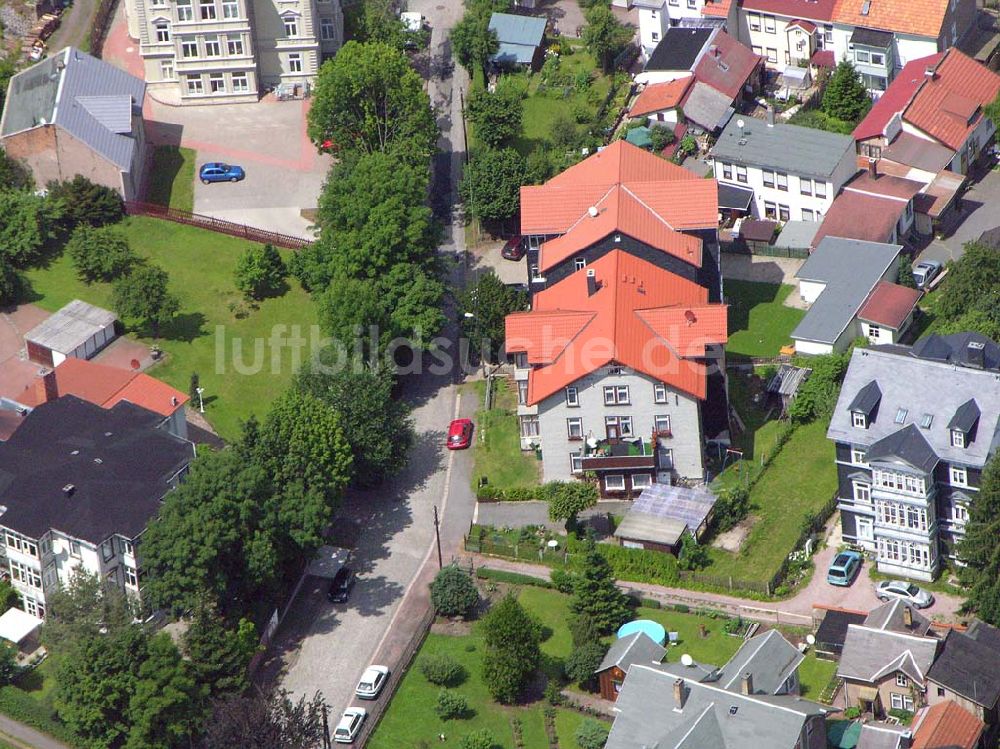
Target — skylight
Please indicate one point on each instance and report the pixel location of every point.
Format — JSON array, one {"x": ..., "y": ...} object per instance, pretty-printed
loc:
[
  {"x": 925, "y": 420},
  {"x": 901, "y": 415}
]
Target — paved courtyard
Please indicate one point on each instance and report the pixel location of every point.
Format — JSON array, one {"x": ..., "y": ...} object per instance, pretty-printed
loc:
[{"x": 978, "y": 214}]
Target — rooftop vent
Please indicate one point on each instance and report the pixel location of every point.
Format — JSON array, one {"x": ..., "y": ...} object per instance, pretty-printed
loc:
[
  {"x": 173, "y": 400},
  {"x": 69, "y": 489},
  {"x": 976, "y": 351},
  {"x": 930, "y": 72},
  {"x": 98, "y": 461}
]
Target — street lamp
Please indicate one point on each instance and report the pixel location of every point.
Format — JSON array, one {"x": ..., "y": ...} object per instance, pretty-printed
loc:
[{"x": 201, "y": 401}]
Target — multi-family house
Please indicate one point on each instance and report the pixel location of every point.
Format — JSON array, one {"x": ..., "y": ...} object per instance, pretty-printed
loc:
[
  {"x": 80, "y": 484},
  {"x": 885, "y": 660},
  {"x": 622, "y": 198},
  {"x": 788, "y": 33},
  {"x": 206, "y": 51},
  {"x": 794, "y": 171},
  {"x": 612, "y": 366},
  {"x": 910, "y": 451}
]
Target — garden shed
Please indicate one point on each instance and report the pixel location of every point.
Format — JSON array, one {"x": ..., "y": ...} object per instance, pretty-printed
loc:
[
  {"x": 660, "y": 516},
  {"x": 79, "y": 330}
]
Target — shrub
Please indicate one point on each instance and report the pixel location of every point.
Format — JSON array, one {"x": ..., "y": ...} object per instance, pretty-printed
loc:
[
  {"x": 852, "y": 713},
  {"x": 451, "y": 705},
  {"x": 591, "y": 734},
  {"x": 731, "y": 507},
  {"x": 905, "y": 716},
  {"x": 640, "y": 565},
  {"x": 101, "y": 254},
  {"x": 513, "y": 578},
  {"x": 817, "y": 396},
  {"x": 733, "y": 625},
  {"x": 682, "y": 608},
  {"x": 563, "y": 581},
  {"x": 661, "y": 136},
  {"x": 442, "y": 670},
  {"x": 553, "y": 694},
  {"x": 453, "y": 593},
  {"x": 481, "y": 739},
  {"x": 583, "y": 629},
  {"x": 582, "y": 662},
  {"x": 87, "y": 202},
  {"x": 651, "y": 603},
  {"x": 260, "y": 272}
]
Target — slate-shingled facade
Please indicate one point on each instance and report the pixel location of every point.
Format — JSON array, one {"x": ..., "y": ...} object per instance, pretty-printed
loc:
[{"x": 914, "y": 427}]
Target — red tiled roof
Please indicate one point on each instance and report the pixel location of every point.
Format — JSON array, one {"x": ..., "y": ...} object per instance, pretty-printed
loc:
[
  {"x": 671, "y": 193},
  {"x": 818, "y": 10},
  {"x": 728, "y": 70},
  {"x": 896, "y": 97},
  {"x": 640, "y": 316},
  {"x": 949, "y": 106},
  {"x": 823, "y": 58},
  {"x": 718, "y": 8},
  {"x": 918, "y": 17},
  {"x": 947, "y": 725},
  {"x": 886, "y": 185},
  {"x": 853, "y": 215},
  {"x": 889, "y": 305},
  {"x": 657, "y": 97},
  {"x": 807, "y": 26}
]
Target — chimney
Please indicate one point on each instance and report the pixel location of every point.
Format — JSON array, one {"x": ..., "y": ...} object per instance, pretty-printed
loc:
[
  {"x": 905, "y": 741},
  {"x": 770, "y": 116},
  {"x": 976, "y": 354},
  {"x": 591, "y": 282},
  {"x": 907, "y": 617},
  {"x": 930, "y": 72},
  {"x": 45, "y": 387},
  {"x": 746, "y": 683},
  {"x": 872, "y": 168},
  {"x": 713, "y": 50},
  {"x": 679, "y": 695}
]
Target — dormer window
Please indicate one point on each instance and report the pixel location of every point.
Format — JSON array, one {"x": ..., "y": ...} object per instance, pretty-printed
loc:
[
  {"x": 958, "y": 438},
  {"x": 859, "y": 420}
]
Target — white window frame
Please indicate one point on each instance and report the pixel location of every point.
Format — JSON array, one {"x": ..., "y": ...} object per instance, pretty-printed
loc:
[
  {"x": 859, "y": 420},
  {"x": 772, "y": 55},
  {"x": 576, "y": 462},
  {"x": 291, "y": 26},
  {"x": 131, "y": 576},
  {"x": 959, "y": 514},
  {"x": 216, "y": 83},
  {"x": 572, "y": 396},
  {"x": 195, "y": 85},
  {"x": 619, "y": 481},
  {"x": 531, "y": 422},
  {"x": 206, "y": 10},
  {"x": 819, "y": 189},
  {"x": 75, "y": 550},
  {"x": 661, "y": 423},
  {"x": 805, "y": 186},
  {"x": 167, "y": 70},
  {"x": 230, "y": 9},
  {"x": 162, "y": 31},
  {"x": 616, "y": 395},
  {"x": 127, "y": 547},
  {"x": 241, "y": 82},
  {"x": 782, "y": 181},
  {"x": 957, "y": 438},
  {"x": 641, "y": 480},
  {"x": 753, "y": 19},
  {"x": 234, "y": 46},
  {"x": 859, "y": 456},
  {"x": 213, "y": 47},
  {"x": 880, "y": 61},
  {"x": 784, "y": 213},
  {"x": 623, "y": 423},
  {"x": 727, "y": 172},
  {"x": 574, "y": 428},
  {"x": 862, "y": 492},
  {"x": 522, "y": 392},
  {"x": 185, "y": 10},
  {"x": 659, "y": 392},
  {"x": 579, "y": 263},
  {"x": 741, "y": 173},
  {"x": 189, "y": 44},
  {"x": 808, "y": 214},
  {"x": 767, "y": 177},
  {"x": 770, "y": 209},
  {"x": 294, "y": 62},
  {"x": 901, "y": 680},
  {"x": 861, "y": 55},
  {"x": 958, "y": 476},
  {"x": 327, "y": 29}
]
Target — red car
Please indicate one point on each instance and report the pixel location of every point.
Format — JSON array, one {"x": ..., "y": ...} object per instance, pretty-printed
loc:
[
  {"x": 460, "y": 434},
  {"x": 513, "y": 248}
]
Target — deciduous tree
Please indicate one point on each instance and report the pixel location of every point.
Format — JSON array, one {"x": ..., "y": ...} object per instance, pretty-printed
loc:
[
  {"x": 101, "y": 254},
  {"x": 979, "y": 551},
  {"x": 142, "y": 298},
  {"x": 220, "y": 654},
  {"x": 267, "y": 721},
  {"x": 27, "y": 223},
  {"x": 604, "y": 35},
  {"x": 87, "y": 202},
  {"x": 497, "y": 115},
  {"x": 489, "y": 301},
  {"x": 583, "y": 661},
  {"x": 473, "y": 41},
  {"x": 491, "y": 184},
  {"x": 83, "y": 608},
  {"x": 453, "y": 593}
]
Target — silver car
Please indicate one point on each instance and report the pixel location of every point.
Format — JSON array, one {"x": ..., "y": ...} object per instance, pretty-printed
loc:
[
  {"x": 906, "y": 591},
  {"x": 925, "y": 272},
  {"x": 372, "y": 681},
  {"x": 350, "y": 725}
]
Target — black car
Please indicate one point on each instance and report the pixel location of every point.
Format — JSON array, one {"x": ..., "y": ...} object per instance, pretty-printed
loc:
[
  {"x": 514, "y": 248},
  {"x": 340, "y": 586}
]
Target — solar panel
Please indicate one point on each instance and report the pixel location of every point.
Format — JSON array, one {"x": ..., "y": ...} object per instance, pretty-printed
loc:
[{"x": 675, "y": 502}]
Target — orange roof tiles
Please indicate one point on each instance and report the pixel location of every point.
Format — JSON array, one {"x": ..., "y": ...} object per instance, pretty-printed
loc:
[
  {"x": 716, "y": 8},
  {"x": 947, "y": 725},
  {"x": 657, "y": 97},
  {"x": 918, "y": 17},
  {"x": 889, "y": 304},
  {"x": 949, "y": 106},
  {"x": 895, "y": 98},
  {"x": 678, "y": 197},
  {"x": 638, "y": 315}
]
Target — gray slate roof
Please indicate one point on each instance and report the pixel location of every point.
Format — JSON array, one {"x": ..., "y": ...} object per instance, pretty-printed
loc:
[
  {"x": 870, "y": 655},
  {"x": 955, "y": 349},
  {"x": 708, "y": 107},
  {"x": 866, "y": 399},
  {"x": 797, "y": 235},
  {"x": 889, "y": 616},
  {"x": 637, "y": 647},
  {"x": 646, "y": 714},
  {"x": 70, "y": 327},
  {"x": 880, "y": 736},
  {"x": 89, "y": 98},
  {"x": 787, "y": 148},
  {"x": 850, "y": 268},
  {"x": 907, "y": 445},
  {"x": 923, "y": 387},
  {"x": 966, "y": 416},
  {"x": 769, "y": 658},
  {"x": 970, "y": 666}
]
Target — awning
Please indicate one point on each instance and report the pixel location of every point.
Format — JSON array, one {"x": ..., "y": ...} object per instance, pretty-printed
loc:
[
  {"x": 17, "y": 625},
  {"x": 868, "y": 694},
  {"x": 734, "y": 197}
]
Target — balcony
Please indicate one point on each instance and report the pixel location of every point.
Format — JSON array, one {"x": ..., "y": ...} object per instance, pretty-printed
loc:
[{"x": 603, "y": 455}]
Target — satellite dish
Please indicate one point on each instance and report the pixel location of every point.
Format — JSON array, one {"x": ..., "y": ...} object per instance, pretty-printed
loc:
[
  {"x": 690, "y": 317},
  {"x": 592, "y": 211},
  {"x": 687, "y": 660},
  {"x": 740, "y": 123},
  {"x": 811, "y": 639}
]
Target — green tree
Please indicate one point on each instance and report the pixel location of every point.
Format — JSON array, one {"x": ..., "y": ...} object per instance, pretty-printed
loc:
[
  {"x": 538, "y": 166},
  {"x": 979, "y": 551},
  {"x": 512, "y": 653},
  {"x": 453, "y": 593},
  {"x": 480, "y": 739},
  {"x": 87, "y": 202},
  {"x": 489, "y": 300},
  {"x": 142, "y": 298},
  {"x": 692, "y": 556},
  {"x": 9, "y": 667},
  {"x": 219, "y": 654},
  {"x": 604, "y": 35},
  {"x": 13, "y": 174},
  {"x": 8, "y": 67},
  {"x": 442, "y": 669},
  {"x": 817, "y": 396},
  {"x": 972, "y": 283},
  {"x": 101, "y": 254},
  {"x": 596, "y": 594},
  {"x": 564, "y": 133},
  {"x": 591, "y": 734},
  {"x": 582, "y": 627},
  {"x": 497, "y": 116},
  {"x": 8, "y": 595},
  {"x": 267, "y": 721},
  {"x": 168, "y": 705},
  {"x": 260, "y": 272},
  {"x": 491, "y": 184},
  {"x": 375, "y": 422},
  {"x": 193, "y": 384},
  {"x": 661, "y": 136},
  {"x": 450, "y": 705},
  {"x": 569, "y": 499},
  {"x": 368, "y": 98},
  {"x": 472, "y": 41},
  {"x": 11, "y": 282},
  {"x": 845, "y": 96},
  {"x": 583, "y": 662},
  {"x": 27, "y": 223},
  {"x": 374, "y": 21},
  {"x": 82, "y": 609},
  {"x": 905, "y": 277}
]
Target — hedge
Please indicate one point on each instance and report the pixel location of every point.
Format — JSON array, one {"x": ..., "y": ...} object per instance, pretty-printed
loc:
[
  {"x": 17, "y": 704},
  {"x": 640, "y": 565},
  {"x": 543, "y": 493},
  {"x": 514, "y": 578}
]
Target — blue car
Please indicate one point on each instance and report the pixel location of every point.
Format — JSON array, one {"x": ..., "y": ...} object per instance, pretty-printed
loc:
[
  {"x": 218, "y": 172},
  {"x": 843, "y": 568}
]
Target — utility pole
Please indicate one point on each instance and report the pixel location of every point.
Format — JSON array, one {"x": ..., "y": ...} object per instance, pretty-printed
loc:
[
  {"x": 326, "y": 728},
  {"x": 437, "y": 534}
]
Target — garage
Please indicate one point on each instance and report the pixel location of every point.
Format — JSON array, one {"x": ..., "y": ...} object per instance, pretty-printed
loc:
[{"x": 78, "y": 330}]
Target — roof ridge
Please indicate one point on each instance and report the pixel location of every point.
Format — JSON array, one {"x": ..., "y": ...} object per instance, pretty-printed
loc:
[{"x": 646, "y": 205}]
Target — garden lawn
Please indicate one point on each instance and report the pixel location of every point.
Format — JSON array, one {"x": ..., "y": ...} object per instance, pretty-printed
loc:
[
  {"x": 814, "y": 674},
  {"x": 759, "y": 322},
  {"x": 798, "y": 482},
  {"x": 499, "y": 457},
  {"x": 171, "y": 180},
  {"x": 230, "y": 354}
]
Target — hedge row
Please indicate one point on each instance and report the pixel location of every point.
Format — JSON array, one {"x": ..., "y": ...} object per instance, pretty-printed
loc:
[
  {"x": 639, "y": 565},
  {"x": 544, "y": 493},
  {"x": 514, "y": 578},
  {"x": 16, "y": 704}
]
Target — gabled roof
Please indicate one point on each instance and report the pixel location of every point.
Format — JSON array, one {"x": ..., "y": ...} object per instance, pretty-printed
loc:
[
  {"x": 815, "y": 10},
  {"x": 716, "y": 8},
  {"x": 895, "y": 98},
  {"x": 671, "y": 193},
  {"x": 917, "y": 17},
  {"x": 866, "y": 399},
  {"x": 637, "y": 647},
  {"x": 889, "y": 305},
  {"x": 832, "y": 629},
  {"x": 855, "y": 215},
  {"x": 521, "y": 30},
  {"x": 727, "y": 67},
  {"x": 871, "y": 655},
  {"x": 780, "y": 147},
  {"x": 657, "y": 97},
  {"x": 619, "y": 322},
  {"x": 679, "y": 49},
  {"x": 970, "y": 667},
  {"x": 905, "y": 445},
  {"x": 769, "y": 658},
  {"x": 948, "y": 106},
  {"x": 890, "y": 617},
  {"x": 966, "y": 416},
  {"x": 946, "y": 725}
]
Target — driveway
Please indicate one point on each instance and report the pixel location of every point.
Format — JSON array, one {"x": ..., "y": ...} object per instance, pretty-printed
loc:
[{"x": 978, "y": 214}]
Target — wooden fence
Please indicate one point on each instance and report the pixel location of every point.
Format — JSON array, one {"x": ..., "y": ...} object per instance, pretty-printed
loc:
[
  {"x": 100, "y": 25},
  {"x": 233, "y": 229}
]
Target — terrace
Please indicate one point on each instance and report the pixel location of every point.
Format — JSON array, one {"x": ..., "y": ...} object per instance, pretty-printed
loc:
[{"x": 633, "y": 452}]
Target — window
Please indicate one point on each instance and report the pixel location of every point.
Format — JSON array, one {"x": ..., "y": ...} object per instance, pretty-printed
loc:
[
  {"x": 576, "y": 462},
  {"x": 926, "y": 420},
  {"x": 859, "y": 456},
  {"x": 131, "y": 579},
  {"x": 618, "y": 426},
  {"x": 693, "y": 4},
  {"x": 859, "y": 420},
  {"x": 770, "y": 209},
  {"x": 207, "y": 8},
  {"x": 959, "y": 476},
  {"x": 862, "y": 492},
  {"x": 127, "y": 548},
  {"x": 808, "y": 215},
  {"x": 878, "y": 58},
  {"x": 194, "y": 84},
  {"x": 940, "y": 691},
  {"x": 572, "y": 396},
  {"x": 74, "y": 549},
  {"x": 659, "y": 393},
  {"x": 654, "y": 36},
  {"x": 768, "y": 178},
  {"x": 772, "y": 55},
  {"x": 741, "y": 174},
  {"x": 900, "y": 482},
  {"x": 784, "y": 213},
  {"x": 805, "y": 186},
  {"x": 212, "y": 46},
  {"x": 872, "y": 152},
  {"x": 162, "y": 31},
  {"x": 184, "y": 10},
  {"x": 33, "y": 607},
  {"x": 754, "y": 20},
  {"x": 291, "y": 27},
  {"x": 675, "y": 3},
  {"x": 901, "y": 701},
  {"x": 662, "y": 424},
  {"x": 902, "y": 681},
  {"x": 295, "y": 62},
  {"x": 957, "y": 438},
  {"x": 769, "y": 24},
  {"x": 727, "y": 171},
  {"x": 574, "y": 428},
  {"x": 234, "y": 46},
  {"x": 522, "y": 392},
  {"x": 189, "y": 48},
  {"x": 529, "y": 426},
  {"x": 900, "y": 412},
  {"x": 614, "y": 482},
  {"x": 240, "y": 83},
  {"x": 579, "y": 263},
  {"x": 828, "y": 33},
  {"x": 108, "y": 550},
  {"x": 820, "y": 189},
  {"x": 616, "y": 395},
  {"x": 158, "y": 3},
  {"x": 24, "y": 574},
  {"x": 861, "y": 55},
  {"x": 217, "y": 83},
  {"x": 46, "y": 546},
  {"x": 327, "y": 30},
  {"x": 641, "y": 480},
  {"x": 757, "y": 50},
  {"x": 230, "y": 9},
  {"x": 166, "y": 69},
  {"x": 782, "y": 182}
]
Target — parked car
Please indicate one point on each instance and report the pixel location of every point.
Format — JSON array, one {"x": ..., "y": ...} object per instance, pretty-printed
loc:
[
  {"x": 912, "y": 594},
  {"x": 514, "y": 248},
  {"x": 925, "y": 272},
  {"x": 843, "y": 568},
  {"x": 216, "y": 171},
  {"x": 340, "y": 586},
  {"x": 460, "y": 434},
  {"x": 350, "y": 724},
  {"x": 372, "y": 681}
]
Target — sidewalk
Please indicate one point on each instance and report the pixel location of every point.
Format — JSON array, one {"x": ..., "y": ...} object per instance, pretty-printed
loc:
[{"x": 26, "y": 737}]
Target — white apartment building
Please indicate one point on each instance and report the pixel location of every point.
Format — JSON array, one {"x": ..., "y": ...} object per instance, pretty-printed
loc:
[{"x": 207, "y": 51}]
